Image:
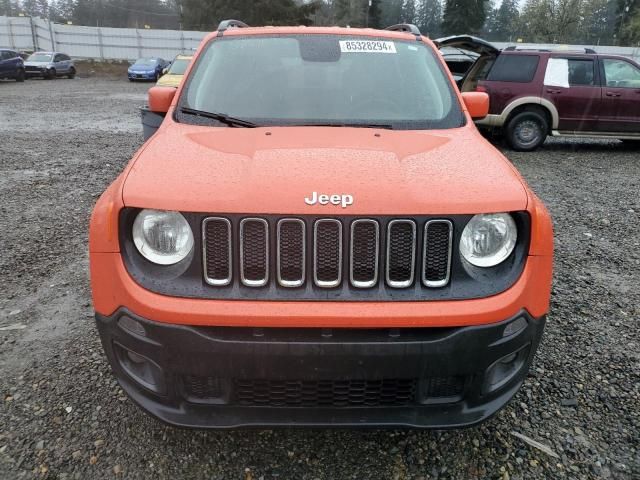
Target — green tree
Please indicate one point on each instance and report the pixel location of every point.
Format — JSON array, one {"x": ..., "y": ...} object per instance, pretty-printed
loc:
[
  {"x": 464, "y": 16},
  {"x": 375, "y": 14},
  {"x": 9, "y": 8},
  {"x": 36, "y": 8},
  {"x": 391, "y": 12},
  {"x": 429, "y": 17},
  {"x": 550, "y": 21},
  {"x": 598, "y": 23},
  {"x": 206, "y": 14},
  {"x": 627, "y": 22},
  {"x": 506, "y": 21}
]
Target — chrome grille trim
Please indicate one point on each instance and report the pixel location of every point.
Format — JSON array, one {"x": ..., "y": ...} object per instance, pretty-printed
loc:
[
  {"x": 409, "y": 281},
  {"x": 316, "y": 280},
  {"x": 444, "y": 281},
  {"x": 281, "y": 281},
  {"x": 374, "y": 280},
  {"x": 245, "y": 281},
  {"x": 216, "y": 282}
]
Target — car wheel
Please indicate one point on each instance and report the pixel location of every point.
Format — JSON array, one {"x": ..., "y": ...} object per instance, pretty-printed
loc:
[
  {"x": 20, "y": 76},
  {"x": 527, "y": 130},
  {"x": 50, "y": 75},
  {"x": 72, "y": 74}
]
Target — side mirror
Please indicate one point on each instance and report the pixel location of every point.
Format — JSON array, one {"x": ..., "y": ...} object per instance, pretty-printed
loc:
[
  {"x": 160, "y": 98},
  {"x": 477, "y": 104}
]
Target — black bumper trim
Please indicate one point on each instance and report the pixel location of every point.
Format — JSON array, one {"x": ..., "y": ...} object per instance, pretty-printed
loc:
[{"x": 319, "y": 354}]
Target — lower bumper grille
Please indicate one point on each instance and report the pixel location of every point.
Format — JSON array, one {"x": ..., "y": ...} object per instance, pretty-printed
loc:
[
  {"x": 325, "y": 393},
  {"x": 388, "y": 392}
]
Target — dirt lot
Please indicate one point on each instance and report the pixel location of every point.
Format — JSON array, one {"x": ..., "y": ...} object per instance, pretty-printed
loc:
[{"x": 62, "y": 414}]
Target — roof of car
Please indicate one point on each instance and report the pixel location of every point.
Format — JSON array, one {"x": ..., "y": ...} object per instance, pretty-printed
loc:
[
  {"x": 563, "y": 52},
  {"x": 346, "y": 31}
]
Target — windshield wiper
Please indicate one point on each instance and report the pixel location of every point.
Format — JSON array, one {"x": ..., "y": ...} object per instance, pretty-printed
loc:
[
  {"x": 221, "y": 117},
  {"x": 386, "y": 126}
]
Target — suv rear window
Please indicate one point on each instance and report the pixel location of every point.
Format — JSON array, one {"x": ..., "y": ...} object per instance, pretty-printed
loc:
[
  {"x": 514, "y": 68},
  {"x": 312, "y": 80}
]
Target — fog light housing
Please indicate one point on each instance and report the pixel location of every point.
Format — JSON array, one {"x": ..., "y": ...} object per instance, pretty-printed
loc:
[
  {"x": 515, "y": 327},
  {"x": 132, "y": 326},
  {"x": 505, "y": 369},
  {"x": 142, "y": 370}
]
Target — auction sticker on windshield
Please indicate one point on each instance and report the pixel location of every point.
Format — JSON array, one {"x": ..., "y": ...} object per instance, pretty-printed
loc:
[{"x": 367, "y": 46}]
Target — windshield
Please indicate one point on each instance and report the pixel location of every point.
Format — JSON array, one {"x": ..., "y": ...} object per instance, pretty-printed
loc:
[
  {"x": 40, "y": 57},
  {"x": 179, "y": 66},
  {"x": 322, "y": 80},
  {"x": 146, "y": 62}
]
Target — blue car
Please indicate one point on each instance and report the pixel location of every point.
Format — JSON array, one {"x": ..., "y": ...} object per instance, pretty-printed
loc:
[
  {"x": 11, "y": 65},
  {"x": 147, "y": 69}
]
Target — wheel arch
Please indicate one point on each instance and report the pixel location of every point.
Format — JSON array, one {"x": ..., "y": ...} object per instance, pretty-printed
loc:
[{"x": 521, "y": 104}]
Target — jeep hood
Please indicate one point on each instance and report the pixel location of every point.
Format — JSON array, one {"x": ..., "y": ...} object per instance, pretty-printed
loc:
[{"x": 272, "y": 170}]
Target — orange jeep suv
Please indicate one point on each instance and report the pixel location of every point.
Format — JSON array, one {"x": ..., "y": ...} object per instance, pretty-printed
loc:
[{"x": 317, "y": 234}]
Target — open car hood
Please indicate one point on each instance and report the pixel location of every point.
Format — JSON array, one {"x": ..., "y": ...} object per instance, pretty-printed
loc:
[{"x": 468, "y": 43}]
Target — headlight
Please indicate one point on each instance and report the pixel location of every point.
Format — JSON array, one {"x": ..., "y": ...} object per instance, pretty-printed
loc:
[
  {"x": 162, "y": 237},
  {"x": 488, "y": 239}
]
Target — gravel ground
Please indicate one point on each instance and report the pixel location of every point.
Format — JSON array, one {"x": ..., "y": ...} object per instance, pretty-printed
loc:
[{"x": 62, "y": 415}]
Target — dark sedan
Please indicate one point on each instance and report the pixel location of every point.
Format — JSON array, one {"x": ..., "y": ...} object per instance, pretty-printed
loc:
[{"x": 11, "y": 65}]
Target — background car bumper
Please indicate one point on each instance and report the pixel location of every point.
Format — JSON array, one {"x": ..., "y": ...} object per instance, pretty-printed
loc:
[{"x": 223, "y": 377}]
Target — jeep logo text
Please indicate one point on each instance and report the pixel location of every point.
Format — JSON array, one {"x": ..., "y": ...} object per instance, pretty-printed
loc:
[{"x": 335, "y": 199}]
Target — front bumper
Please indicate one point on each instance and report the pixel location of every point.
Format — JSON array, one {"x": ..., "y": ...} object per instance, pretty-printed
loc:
[
  {"x": 141, "y": 76},
  {"x": 224, "y": 377},
  {"x": 40, "y": 72}
]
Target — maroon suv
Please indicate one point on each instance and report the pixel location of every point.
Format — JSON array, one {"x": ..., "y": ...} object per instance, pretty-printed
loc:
[{"x": 535, "y": 93}]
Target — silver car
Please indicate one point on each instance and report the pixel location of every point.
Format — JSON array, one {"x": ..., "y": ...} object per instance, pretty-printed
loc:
[{"x": 49, "y": 65}]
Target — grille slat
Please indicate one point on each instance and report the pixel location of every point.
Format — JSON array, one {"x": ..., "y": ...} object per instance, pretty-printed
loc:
[
  {"x": 365, "y": 251},
  {"x": 291, "y": 252},
  {"x": 327, "y": 253},
  {"x": 436, "y": 262},
  {"x": 217, "y": 252},
  {"x": 254, "y": 252},
  {"x": 401, "y": 253}
]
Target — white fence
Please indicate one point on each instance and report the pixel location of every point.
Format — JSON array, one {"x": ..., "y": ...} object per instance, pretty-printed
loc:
[{"x": 25, "y": 33}]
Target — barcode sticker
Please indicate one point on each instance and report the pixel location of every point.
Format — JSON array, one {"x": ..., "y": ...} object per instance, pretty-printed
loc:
[{"x": 367, "y": 46}]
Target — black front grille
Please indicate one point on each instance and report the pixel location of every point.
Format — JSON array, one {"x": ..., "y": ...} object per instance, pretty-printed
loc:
[
  {"x": 325, "y": 393},
  {"x": 327, "y": 253}
]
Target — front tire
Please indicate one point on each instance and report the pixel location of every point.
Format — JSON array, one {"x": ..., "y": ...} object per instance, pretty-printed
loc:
[
  {"x": 20, "y": 76},
  {"x": 527, "y": 130},
  {"x": 50, "y": 75},
  {"x": 72, "y": 74}
]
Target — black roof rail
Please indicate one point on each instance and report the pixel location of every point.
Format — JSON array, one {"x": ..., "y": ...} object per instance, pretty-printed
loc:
[
  {"x": 513, "y": 48},
  {"x": 406, "y": 27},
  {"x": 226, "y": 24}
]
